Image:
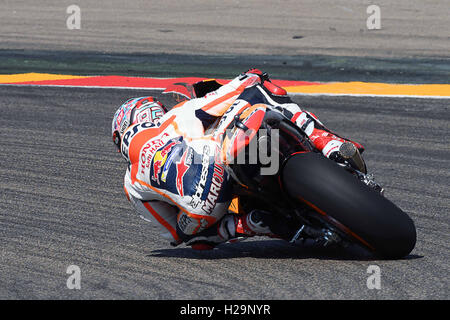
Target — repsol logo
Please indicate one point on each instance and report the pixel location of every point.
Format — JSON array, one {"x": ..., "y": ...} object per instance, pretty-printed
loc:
[
  {"x": 130, "y": 133},
  {"x": 196, "y": 198},
  {"x": 216, "y": 186}
]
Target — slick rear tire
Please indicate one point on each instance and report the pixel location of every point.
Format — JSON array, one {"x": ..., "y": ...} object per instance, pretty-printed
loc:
[{"x": 351, "y": 206}]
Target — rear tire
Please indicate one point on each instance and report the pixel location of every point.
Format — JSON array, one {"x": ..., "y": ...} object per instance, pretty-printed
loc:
[{"x": 353, "y": 207}]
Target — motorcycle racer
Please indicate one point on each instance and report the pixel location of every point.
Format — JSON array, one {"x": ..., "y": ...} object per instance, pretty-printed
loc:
[{"x": 175, "y": 177}]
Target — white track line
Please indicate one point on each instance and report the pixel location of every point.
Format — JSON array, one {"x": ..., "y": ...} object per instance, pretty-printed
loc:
[
  {"x": 70, "y": 86},
  {"x": 290, "y": 93}
]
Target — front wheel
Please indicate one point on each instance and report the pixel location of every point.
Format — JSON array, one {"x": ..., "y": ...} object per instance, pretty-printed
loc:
[{"x": 351, "y": 206}]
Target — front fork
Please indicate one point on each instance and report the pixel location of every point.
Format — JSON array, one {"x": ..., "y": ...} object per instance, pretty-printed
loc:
[
  {"x": 316, "y": 229},
  {"x": 323, "y": 236}
]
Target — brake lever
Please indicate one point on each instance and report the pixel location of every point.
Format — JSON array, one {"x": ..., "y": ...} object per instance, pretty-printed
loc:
[{"x": 238, "y": 123}]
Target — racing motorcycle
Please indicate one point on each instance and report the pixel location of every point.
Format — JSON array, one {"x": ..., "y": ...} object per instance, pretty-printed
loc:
[{"x": 332, "y": 203}]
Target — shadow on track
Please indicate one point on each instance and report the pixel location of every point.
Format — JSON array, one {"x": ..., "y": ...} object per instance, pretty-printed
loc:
[{"x": 272, "y": 249}]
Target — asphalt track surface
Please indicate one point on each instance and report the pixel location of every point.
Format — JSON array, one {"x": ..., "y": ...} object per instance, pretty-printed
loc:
[
  {"x": 408, "y": 27},
  {"x": 308, "y": 40},
  {"x": 62, "y": 204}
]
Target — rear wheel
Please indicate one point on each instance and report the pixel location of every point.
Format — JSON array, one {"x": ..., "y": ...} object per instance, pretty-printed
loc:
[{"x": 351, "y": 206}]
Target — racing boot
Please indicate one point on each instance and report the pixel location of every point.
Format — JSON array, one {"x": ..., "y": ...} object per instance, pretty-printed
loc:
[
  {"x": 331, "y": 145},
  {"x": 257, "y": 223},
  {"x": 339, "y": 149}
]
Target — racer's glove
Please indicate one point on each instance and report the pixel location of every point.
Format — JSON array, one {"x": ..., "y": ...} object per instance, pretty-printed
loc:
[
  {"x": 264, "y": 76},
  {"x": 265, "y": 81}
]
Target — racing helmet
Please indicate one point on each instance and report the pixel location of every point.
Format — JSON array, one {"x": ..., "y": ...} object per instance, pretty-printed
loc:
[{"x": 135, "y": 110}]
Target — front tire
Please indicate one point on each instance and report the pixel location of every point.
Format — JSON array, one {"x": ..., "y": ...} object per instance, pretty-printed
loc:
[{"x": 354, "y": 208}]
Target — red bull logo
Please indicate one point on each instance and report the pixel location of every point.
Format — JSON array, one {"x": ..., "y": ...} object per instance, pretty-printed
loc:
[{"x": 160, "y": 158}]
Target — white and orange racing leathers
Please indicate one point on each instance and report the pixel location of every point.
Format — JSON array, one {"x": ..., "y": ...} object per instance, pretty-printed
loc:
[{"x": 174, "y": 177}]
